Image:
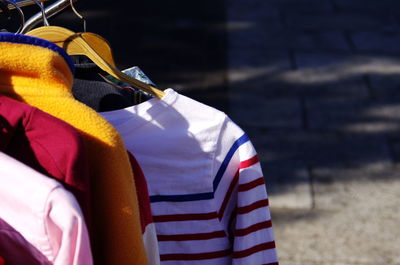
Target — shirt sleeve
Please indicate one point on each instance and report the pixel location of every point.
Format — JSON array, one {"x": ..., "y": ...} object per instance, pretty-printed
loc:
[
  {"x": 66, "y": 225},
  {"x": 243, "y": 206}
]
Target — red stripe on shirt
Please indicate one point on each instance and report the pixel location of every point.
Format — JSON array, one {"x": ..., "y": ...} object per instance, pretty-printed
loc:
[
  {"x": 253, "y": 206},
  {"x": 187, "y": 237},
  {"x": 185, "y": 217},
  {"x": 251, "y": 185},
  {"x": 249, "y": 162},
  {"x": 252, "y": 250},
  {"x": 196, "y": 256},
  {"x": 253, "y": 228},
  {"x": 228, "y": 195}
]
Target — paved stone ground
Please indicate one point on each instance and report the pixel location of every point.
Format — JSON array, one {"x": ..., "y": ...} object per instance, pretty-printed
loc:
[{"x": 315, "y": 83}]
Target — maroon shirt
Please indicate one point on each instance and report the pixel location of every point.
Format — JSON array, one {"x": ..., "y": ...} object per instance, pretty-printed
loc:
[{"x": 48, "y": 145}]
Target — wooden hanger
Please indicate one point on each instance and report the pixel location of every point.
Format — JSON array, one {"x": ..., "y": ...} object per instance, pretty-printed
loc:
[{"x": 95, "y": 48}]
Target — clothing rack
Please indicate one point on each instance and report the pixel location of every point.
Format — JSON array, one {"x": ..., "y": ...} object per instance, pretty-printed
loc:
[
  {"x": 22, "y": 3},
  {"x": 50, "y": 11}
]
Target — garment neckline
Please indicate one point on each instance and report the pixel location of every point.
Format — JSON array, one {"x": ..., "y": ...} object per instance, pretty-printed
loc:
[
  {"x": 29, "y": 70},
  {"x": 138, "y": 115},
  {"x": 30, "y": 40}
]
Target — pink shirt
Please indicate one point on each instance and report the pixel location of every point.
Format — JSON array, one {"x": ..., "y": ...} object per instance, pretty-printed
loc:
[
  {"x": 14, "y": 249},
  {"x": 44, "y": 213}
]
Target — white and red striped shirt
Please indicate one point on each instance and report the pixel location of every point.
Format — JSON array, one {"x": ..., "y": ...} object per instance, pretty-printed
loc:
[{"x": 207, "y": 190}]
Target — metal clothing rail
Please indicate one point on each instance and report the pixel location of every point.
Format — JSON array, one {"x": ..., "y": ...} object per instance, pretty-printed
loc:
[
  {"x": 22, "y": 3},
  {"x": 50, "y": 11}
]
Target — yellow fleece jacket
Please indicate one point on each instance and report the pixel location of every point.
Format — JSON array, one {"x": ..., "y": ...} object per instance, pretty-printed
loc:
[{"x": 41, "y": 77}]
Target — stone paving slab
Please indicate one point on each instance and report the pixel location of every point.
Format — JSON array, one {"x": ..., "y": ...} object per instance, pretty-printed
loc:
[
  {"x": 304, "y": 5},
  {"x": 349, "y": 64},
  {"x": 257, "y": 11},
  {"x": 354, "y": 116},
  {"x": 340, "y": 73},
  {"x": 338, "y": 70},
  {"x": 353, "y": 224},
  {"x": 382, "y": 7},
  {"x": 322, "y": 60},
  {"x": 291, "y": 83},
  {"x": 337, "y": 21},
  {"x": 253, "y": 110},
  {"x": 366, "y": 202},
  {"x": 310, "y": 148},
  {"x": 336, "y": 188},
  {"x": 384, "y": 42},
  {"x": 288, "y": 187},
  {"x": 271, "y": 73},
  {"x": 251, "y": 59},
  {"x": 341, "y": 68},
  {"x": 385, "y": 87},
  {"x": 260, "y": 37},
  {"x": 395, "y": 148}
]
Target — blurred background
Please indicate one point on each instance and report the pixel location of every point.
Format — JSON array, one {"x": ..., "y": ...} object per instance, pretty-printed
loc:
[{"x": 314, "y": 83}]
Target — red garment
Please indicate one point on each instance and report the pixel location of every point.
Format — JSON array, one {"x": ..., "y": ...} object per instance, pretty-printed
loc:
[
  {"x": 1, "y": 261},
  {"x": 142, "y": 193},
  {"x": 146, "y": 218},
  {"x": 46, "y": 144}
]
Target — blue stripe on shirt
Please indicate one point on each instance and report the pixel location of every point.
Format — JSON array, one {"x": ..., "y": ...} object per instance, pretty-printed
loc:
[
  {"x": 182, "y": 198},
  {"x": 209, "y": 195},
  {"x": 228, "y": 158}
]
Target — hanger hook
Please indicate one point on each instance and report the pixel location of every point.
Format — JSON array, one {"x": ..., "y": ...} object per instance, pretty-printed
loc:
[
  {"x": 78, "y": 14},
  {"x": 4, "y": 8},
  {"x": 20, "y": 12},
  {"x": 45, "y": 21}
]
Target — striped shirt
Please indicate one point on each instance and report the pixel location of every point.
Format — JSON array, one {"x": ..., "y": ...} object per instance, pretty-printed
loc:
[{"x": 207, "y": 190}]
